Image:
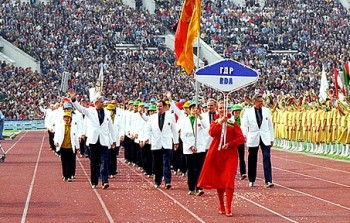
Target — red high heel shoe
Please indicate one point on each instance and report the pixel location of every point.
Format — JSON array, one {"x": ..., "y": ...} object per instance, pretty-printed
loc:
[
  {"x": 229, "y": 197},
  {"x": 229, "y": 214},
  {"x": 221, "y": 210}
]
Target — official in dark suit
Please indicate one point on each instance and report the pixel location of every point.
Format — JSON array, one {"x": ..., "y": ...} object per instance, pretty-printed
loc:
[
  {"x": 100, "y": 137},
  {"x": 257, "y": 127},
  {"x": 161, "y": 130}
]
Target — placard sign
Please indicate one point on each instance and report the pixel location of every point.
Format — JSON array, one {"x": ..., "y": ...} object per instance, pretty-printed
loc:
[{"x": 226, "y": 75}]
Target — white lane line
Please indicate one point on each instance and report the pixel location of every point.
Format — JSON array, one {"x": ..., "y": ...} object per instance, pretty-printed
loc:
[
  {"x": 170, "y": 197},
  {"x": 13, "y": 145},
  {"x": 310, "y": 164},
  {"x": 315, "y": 197},
  {"x": 316, "y": 178},
  {"x": 182, "y": 206},
  {"x": 267, "y": 209},
  {"x": 26, "y": 206},
  {"x": 196, "y": 216},
  {"x": 105, "y": 209}
]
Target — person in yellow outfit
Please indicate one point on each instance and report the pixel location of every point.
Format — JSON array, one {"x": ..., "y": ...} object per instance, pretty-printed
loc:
[
  {"x": 347, "y": 141},
  {"x": 321, "y": 128},
  {"x": 304, "y": 130},
  {"x": 329, "y": 123},
  {"x": 275, "y": 120},
  {"x": 283, "y": 127},
  {"x": 315, "y": 125},
  {"x": 342, "y": 130},
  {"x": 299, "y": 129},
  {"x": 335, "y": 128},
  {"x": 288, "y": 127},
  {"x": 309, "y": 134},
  {"x": 66, "y": 140},
  {"x": 292, "y": 130}
]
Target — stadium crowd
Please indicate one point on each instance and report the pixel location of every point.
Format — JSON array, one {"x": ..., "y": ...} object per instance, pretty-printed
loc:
[
  {"x": 316, "y": 30},
  {"x": 84, "y": 37},
  {"x": 80, "y": 37}
]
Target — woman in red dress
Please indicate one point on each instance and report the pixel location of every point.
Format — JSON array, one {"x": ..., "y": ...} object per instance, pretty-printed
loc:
[{"x": 220, "y": 165}]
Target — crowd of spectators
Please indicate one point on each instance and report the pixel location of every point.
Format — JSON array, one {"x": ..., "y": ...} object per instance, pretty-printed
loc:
[
  {"x": 80, "y": 37},
  {"x": 317, "y": 31}
]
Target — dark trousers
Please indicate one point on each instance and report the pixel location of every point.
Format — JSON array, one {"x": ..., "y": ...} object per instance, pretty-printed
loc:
[
  {"x": 191, "y": 178},
  {"x": 142, "y": 158},
  {"x": 147, "y": 159},
  {"x": 99, "y": 163},
  {"x": 194, "y": 167},
  {"x": 252, "y": 162},
  {"x": 74, "y": 162},
  {"x": 137, "y": 156},
  {"x": 179, "y": 160},
  {"x": 127, "y": 148},
  {"x": 112, "y": 163},
  {"x": 52, "y": 144},
  {"x": 162, "y": 165},
  {"x": 199, "y": 165},
  {"x": 87, "y": 149},
  {"x": 133, "y": 156},
  {"x": 242, "y": 166},
  {"x": 117, "y": 149},
  {"x": 67, "y": 160},
  {"x": 83, "y": 147}
]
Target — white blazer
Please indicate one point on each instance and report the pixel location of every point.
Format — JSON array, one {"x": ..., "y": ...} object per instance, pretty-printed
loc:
[
  {"x": 137, "y": 124},
  {"x": 251, "y": 130},
  {"x": 164, "y": 138},
  {"x": 188, "y": 135},
  {"x": 48, "y": 114},
  {"x": 119, "y": 124},
  {"x": 77, "y": 118},
  {"x": 56, "y": 117},
  {"x": 145, "y": 133},
  {"x": 207, "y": 137},
  {"x": 128, "y": 115},
  {"x": 59, "y": 135},
  {"x": 84, "y": 126},
  {"x": 105, "y": 132}
]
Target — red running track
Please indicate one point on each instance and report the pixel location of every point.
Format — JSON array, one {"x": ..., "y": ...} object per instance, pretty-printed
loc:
[{"x": 307, "y": 189}]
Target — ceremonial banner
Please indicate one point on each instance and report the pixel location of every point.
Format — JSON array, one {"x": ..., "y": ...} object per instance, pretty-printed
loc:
[
  {"x": 346, "y": 78},
  {"x": 92, "y": 92},
  {"x": 323, "y": 86},
  {"x": 99, "y": 83},
  {"x": 339, "y": 84},
  {"x": 186, "y": 33}
]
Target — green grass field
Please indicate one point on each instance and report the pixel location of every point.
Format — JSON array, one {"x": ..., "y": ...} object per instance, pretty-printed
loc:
[{"x": 11, "y": 131}]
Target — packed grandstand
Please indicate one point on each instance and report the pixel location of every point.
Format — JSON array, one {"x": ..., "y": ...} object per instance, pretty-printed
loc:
[{"x": 79, "y": 37}]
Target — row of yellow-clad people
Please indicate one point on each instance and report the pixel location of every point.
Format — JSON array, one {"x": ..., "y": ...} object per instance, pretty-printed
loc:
[{"x": 312, "y": 124}]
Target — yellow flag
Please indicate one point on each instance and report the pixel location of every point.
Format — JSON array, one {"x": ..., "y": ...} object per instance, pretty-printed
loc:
[{"x": 186, "y": 33}]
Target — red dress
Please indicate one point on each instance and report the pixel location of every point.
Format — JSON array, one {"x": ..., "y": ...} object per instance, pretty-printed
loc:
[{"x": 220, "y": 166}]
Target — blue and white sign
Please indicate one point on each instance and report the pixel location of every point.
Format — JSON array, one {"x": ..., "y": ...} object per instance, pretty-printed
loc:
[{"x": 226, "y": 75}]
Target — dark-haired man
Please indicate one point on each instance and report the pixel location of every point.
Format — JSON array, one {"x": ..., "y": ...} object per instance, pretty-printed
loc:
[{"x": 161, "y": 129}]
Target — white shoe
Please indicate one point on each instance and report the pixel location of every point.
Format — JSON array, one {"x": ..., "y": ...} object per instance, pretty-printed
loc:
[{"x": 269, "y": 184}]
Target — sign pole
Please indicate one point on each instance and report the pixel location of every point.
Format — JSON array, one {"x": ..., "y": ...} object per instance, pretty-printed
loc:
[
  {"x": 196, "y": 94},
  {"x": 226, "y": 76}
]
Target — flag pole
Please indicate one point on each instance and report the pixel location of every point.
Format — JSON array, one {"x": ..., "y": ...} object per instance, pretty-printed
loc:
[
  {"x": 197, "y": 90},
  {"x": 196, "y": 82},
  {"x": 187, "y": 29}
]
